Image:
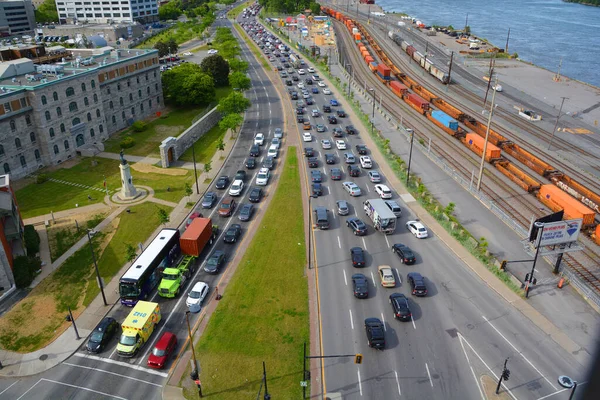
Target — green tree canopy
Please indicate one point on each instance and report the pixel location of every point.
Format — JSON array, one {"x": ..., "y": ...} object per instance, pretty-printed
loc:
[
  {"x": 237, "y": 65},
  {"x": 166, "y": 47},
  {"x": 231, "y": 121},
  {"x": 188, "y": 85},
  {"x": 235, "y": 103},
  {"x": 46, "y": 12},
  {"x": 239, "y": 80},
  {"x": 216, "y": 67},
  {"x": 171, "y": 10}
]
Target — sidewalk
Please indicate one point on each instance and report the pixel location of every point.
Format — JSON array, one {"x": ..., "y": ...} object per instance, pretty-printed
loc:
[{"x": 17, "y": 364}]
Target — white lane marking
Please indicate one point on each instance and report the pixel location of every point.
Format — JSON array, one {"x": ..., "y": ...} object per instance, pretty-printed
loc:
[
  {"x": 351, "y": 320},
  {"x": 339, "y": 242},
  {"x": 398, "y": 383},
  {"x": 14, "y": 383},
  {"x": 113, "y": 352},
  {"x": 121, "y": 363},
  {"x": 73, "y": 386},
  {"x": 398, "y": 275},
  {"x": 471, "y": 367},
  {"x": 487, "y": 366},
  {"x": 111, "y": 373},
  {"x": 520, "y": 353},
  {"x": 428, "y": 374},
  {"x": 345, "y": 280},
  {"x": 413, "y": 322},
  {"x": 368, "y": 190},
  {"x": 559, "y": 391},
  {"x": 387, "y": 241},
  {"x": 373, "y": 278},
  {"x": 383, "y": 320},
  {"x": 364, "y": 243},
  {"x": 359, "y": 383}
]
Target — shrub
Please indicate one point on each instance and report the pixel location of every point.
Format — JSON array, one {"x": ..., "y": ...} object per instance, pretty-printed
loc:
[
  {"x": 127, "y": 142},
  {"x": 32, "y": 240},
  {"x": 25, "y": 269},
  {"x": 139, "y": 126},
  {"x": 41, "y": 178}
]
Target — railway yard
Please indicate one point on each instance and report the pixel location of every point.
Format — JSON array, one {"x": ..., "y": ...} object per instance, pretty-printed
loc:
[{"x": 522, "y": 177}]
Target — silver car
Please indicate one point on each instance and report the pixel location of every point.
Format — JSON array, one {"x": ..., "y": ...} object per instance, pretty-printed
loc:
[
  {"x": 209, "y": 199},
  {"x": 342, "y": 207},
  {"x": 278, "y": 133}
]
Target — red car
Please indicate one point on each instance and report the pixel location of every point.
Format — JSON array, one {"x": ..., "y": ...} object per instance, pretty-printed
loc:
[
  {"x": 192, "y": 217},
  {"x": 162, "y": 350}
]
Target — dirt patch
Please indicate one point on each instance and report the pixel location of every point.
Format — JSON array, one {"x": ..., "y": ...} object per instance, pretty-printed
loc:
[
  {"x": 167, "y": 130},
  {"x": 151, "y": 169}
]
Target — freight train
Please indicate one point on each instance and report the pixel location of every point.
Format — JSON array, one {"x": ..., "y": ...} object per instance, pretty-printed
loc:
[{"x": 434, "y": 70}]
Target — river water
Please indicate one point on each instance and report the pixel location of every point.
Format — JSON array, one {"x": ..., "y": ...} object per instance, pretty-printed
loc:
[{"x": 541, "y": 31}]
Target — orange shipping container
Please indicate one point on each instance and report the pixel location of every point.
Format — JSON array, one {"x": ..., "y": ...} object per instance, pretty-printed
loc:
[
  {"x": 369, "y": 59},
  {"x": 196, "y": 236},
  {"x": 357, "y": 37},
  {"x": 361, "y": 47},
  {"x": 557, "y": 200},
  {"x": 476, "y": 143},
  {"x": 365, "y": 53}
]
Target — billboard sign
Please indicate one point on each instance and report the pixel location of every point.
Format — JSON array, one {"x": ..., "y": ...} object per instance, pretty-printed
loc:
[{"x": 561, "y": 232}]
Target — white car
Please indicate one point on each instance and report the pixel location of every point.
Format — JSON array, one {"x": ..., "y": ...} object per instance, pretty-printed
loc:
[
  {"x": 340, "y": 144},
  {"x": 352, "y": 188},
  {"x": 365, "y": 162},
  {"x": 273, "y": 151},
  {"x": 321, "y": 84},
  {"x": 213, "y": 51},
  {"x": 187, "y": 53},
  {"x": 315, "y": 113},
  {"x": 326, "y": 91},
  {"x": 417, "y": 229},
  {"x": 196, "y": 296},
  {"x": 383, "y": 191},
  {"x": 276, "y": 142},
  {"x": 306, "y": 137},
  {"x": 263, "y": 177},
  {"x": 305, "y": 95},
  {"x": 259, "y": 139},
  {"x": 301, "y": 71},
  {"x": 236, "y": 187},
  {"x": 326, "y": 144},
  {"x": 497, "y": 87},
  {"x": 374, "y": 176},
  {"x": 311, "y": 69},
  {"x": 301, "y": 85}
]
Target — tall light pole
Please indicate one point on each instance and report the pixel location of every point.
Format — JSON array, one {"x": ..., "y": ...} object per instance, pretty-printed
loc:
[
  {"x": 195, "y": 171},
  {"x": 195, "y": 375},
  {"x": 372, "y": 90},
  {"x": 557, "y": 118},
  {"x": 487, "y": 136},
  {"x": 96, "y": 266},
  {"x": 529, "y": 278},
  {"x": 412, "y": 137},
  {"x": 349, "y": 76}
]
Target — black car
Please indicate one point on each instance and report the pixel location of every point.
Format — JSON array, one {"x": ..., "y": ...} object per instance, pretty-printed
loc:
[
  {"x": 317, "y": 189},
  {"x": 316, "y": 176},
  {"x": 241, "y": 175},
  {"x": 351, "y": 130},
  {"x": 269, "y": 162},
  {"x": 300, "y": 119},
  {"x": 101, "y": 335},
  {"x": 299, "y": 111},
  {"x": 255, "y": 150},
  {"x": 214, "y": 263},
  {"x": 289, "y": 82},
  {"x": 326, "y": 108},
  {"x": 250, "y": 163},
  {"x": 294, "y": 78},
  {"x": 313, "y": 162},
  {"x": 310, "y": 101},
  {"x": 400, "y": 306},
  {"x": 361, "y": 149},
  {"x": 337, "y": 132},
  {"x": 331, "y": 119},
  {"x": 335, "y": 174},
  {"x": 405, "y": 253},
  {"x": 375, "y": 333},
  {"x": 341, "y": 113},
  {"x": 357, "y": 255},
  {"x": 308, "y": 81},
  {"x": 232, "y": 233},
  {"x": 222, "y": 182},
  {"x": 329, "y": 158},
  {"x": 209, "y": 199},
  {"x": 358, "y": 227},
  {"x": 294, "y": 95},
  {"x": 353, "y": 170},
  {"x": 309, "y": 152},
  {"x": 255, "y": 195},
  {"x": 246, "y": 211},
  {"x": 417, "y": 284},
  {"x": 360, "y": 286}
]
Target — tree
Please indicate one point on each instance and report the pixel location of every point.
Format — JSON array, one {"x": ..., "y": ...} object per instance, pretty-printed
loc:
[
  {"x": 188, "y": 190},
  {"x": 162, "y": 47},
  {"x": 207, "y": 168},
  {"x": 188, "y": 85},
  {"x": 235, "y": 103},
  {"x": 46, "y": 12},
  {"x": 217, "y": 67},
  {"x": 131, "y": 252},
  {"x": 24, "y": 270},
  {"x": 221, "y": 145},
  {"x": 240, "y": 81},
  {"x": 237, "y": 65},
  {"x": 171, "y": 10},
  {"x": 230, "y": 49},
  {"x": 231, "y": 121},
  {"x": 172, "y": 46},
  {"x": 163, "y": 217},
  {"x": 32, "y": 240}
]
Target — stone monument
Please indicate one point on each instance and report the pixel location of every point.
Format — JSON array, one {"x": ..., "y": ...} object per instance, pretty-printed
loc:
[{"x": 128, "y": 191}]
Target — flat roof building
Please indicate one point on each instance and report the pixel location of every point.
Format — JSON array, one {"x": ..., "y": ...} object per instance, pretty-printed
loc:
[
  {"x": 16, "y": 17},
  {"x": 71, "y": 11}
]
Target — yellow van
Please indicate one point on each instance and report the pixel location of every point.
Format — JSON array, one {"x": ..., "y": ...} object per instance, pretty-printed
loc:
[{"x": 138, "y": 327}]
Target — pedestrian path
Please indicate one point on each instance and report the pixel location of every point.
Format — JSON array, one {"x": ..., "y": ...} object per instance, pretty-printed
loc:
[{"x": 76, "y": 184}]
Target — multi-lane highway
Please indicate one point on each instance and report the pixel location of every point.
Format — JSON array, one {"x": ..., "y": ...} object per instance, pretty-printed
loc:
[{"x": 106, "y": 375}]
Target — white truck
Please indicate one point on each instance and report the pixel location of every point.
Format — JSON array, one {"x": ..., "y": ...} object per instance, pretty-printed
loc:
[{"x": 383, "y": 218}]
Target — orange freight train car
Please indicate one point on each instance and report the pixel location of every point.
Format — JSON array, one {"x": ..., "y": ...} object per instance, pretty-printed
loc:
[
  {"x": 476, "y": 143},
  {"x": 558, "y": 200},
  {"x": 417, "y": 103}
]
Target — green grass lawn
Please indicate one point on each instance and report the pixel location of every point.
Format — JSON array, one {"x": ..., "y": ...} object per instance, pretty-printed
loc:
[
  {"x": 263, "y": 315},
  {"x": 206, "y": 146},
  {"x": 38, "y": 199},
  {"x": 62, "y": 238},
  {"x": 255, "y": 50}
]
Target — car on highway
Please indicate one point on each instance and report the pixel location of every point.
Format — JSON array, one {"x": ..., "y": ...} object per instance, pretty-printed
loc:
[
  {"x": 262, "y": 178},
  {"x": 361, "y": 149},
  {"x": 331, "y": 119},
  {"x": 320, "y": 128},
  {"x": 232, "y": 233},
  {"x": 278, "y": 133},
  {"x": 353, "y": 171},
  {"x": 255, "y": 195},
  {"x": 386, "y": 276},
  {"x": 360, "y": 286},
  {"x": 335, "y": 174},
  {"x": 374, "y": 176},
  {"x": 315, "y": 113},
  {"x": 222, "y": 182},
  {"x": 383, "y": 191},
  {"x": 311, "y": 69},
  {"x": 400, "y": 306},
  {"x": 209, "y": 199},
  {"x": 300, "y": 119},
  {"x": 213, "y": 51},
  {"x": 329, "y": 158},
  {"x": 326, "y": 91},
  {"x": 309, "y": 152},
  {"x": 365, "y": 162},
  {"x": 357, "y": 256},
  {"x": 337, "y": 132},
  {"x": 196, "y": 296},
  {"x": 306, "y": 137},
  {"x": 405, "y": 254},
  {"x": 269, "y": 163},
  {"x": 326, "y": 108},
  {"x": 188, "y": 53},
  {"x": 351, "y": 130},
  {"x": 276, "y": 142},
  {"x": 358, "y": 227},
  {"x": 394, "y": 207},
  {"x": 352, "y": 189},
  {"x": 241, "y": 175},
  {"x": 162, "y": 351},
  {"x": 308, "y": 81},
  {"x": 317, "y": 189},
  {"x": 273, "y": 151},
  {"x": 417, "y": 284},
  {"x": 417, "y": 229},
  {"x": 300, "y": 85},
  {"x": 334, "y": 102},
  {"x": 321, "y": 84},
  {"x": 246, "y": 211},
  {"x": 227, "y": 207},
  {"x": 326, "y": 144},
  {"x": 314, "y": 90},
  {"x": 259, "y": 139},
  {"x": 236, "y": 188},
  {"x": 349, "y": 158},
  {"x": 316, "y": 176},
  {"x": 313, "y": 162},
  {"x": 289, "y": 82},
  {"x": 301, "y": 71},
  {"x": 375, "y": 333},
  {"x": 250, "y": 162},
  {"x": 214, "y": 263},
  {"x": 192, "y": 217},
  {"x": 102, "y": 335},
  {"x": 341, "y": 113},
  {"x": 295, "y": 78},
  {"x": 340, "y": 144},
  {"x": 254, "y": 151}
]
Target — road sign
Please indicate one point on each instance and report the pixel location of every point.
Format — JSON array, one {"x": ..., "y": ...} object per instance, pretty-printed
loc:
[
  {"x": 560, "y": 232},
  {"x": 303, "y": 383}
]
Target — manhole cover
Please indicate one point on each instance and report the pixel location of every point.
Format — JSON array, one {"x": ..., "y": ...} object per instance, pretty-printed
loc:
[
  {"x": 452, "y": 332},
  {"x": 43, "y": 357},
  {"x": 565, "y": 381}
]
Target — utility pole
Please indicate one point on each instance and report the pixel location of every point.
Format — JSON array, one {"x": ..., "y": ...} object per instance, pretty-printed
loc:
[
  {"x": 529, "y": 279},
  {"x": 557, "y": 118},
  {"x": 450, "y": 67},
  {"x": 487, "y": 136},
  {"x": 372, "y": 90},
  {"x": 267, "y": 396},
  {"x": 412, "y": 137},
  {"x": 466, "y": 23},
  {"x": 557, "y": 76},
  {"x": 507, "y": 37},
  {"x": 503, "y": 376},
  {"x": 96, "y": 266},
  {"x": 490, "y": 75},
  {"x": 195, "y": 374}
]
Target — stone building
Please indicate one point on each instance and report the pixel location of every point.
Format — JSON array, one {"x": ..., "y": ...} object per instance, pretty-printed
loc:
[
  {"x": 52, "y": 112},
  {"x": 71, "y": 11},
  {"x": 16, "y": 17}
]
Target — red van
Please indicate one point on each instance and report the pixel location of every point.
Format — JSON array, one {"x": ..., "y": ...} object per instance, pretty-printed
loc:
[{"x": 162, "y": 350}]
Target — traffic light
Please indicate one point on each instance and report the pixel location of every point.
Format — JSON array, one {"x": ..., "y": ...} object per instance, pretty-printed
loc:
[
  {"x": 527, "y": 277},
  {"x": 358, "y": 359},
  {"x": 503, "y": 265},
  {"x": 194, "y": 375},
  {"x": 506, "y": 374}
]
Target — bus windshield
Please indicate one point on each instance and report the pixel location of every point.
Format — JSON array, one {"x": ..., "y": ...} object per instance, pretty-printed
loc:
[{"x": 128, "y": 290}]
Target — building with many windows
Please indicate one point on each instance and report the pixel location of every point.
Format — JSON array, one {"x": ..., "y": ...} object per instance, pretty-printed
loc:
[
  {"x": 52, "y": 112},
  {"x": 16, "y": 17},
  {"x": 107, "y": 11},
  {"x": 11, "y": 234}
]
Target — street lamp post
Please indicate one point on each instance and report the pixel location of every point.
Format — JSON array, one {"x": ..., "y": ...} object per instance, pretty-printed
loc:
[
  {"x": 70, "y": 319},
  {"x": 349, "y": 77},
  {"x": 195, "y": 372},
  {"x": 573, "y": 390},
  {"x": 267, "y": 396},
  {"x": 195, "y": 171},
  {"x": 540, "y": 227},
  {"x": 557, "y": 118},
  {"x": 372, "y": 90},
  {"x": 487, "y": 136},
  {"x": 96, "y": 266},
  {"x": 412, "y": 138}
]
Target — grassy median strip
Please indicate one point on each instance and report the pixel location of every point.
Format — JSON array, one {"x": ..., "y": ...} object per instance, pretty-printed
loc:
[
  {"x": 263, "y": 315},
  {"x": 253, "y": 48}
]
